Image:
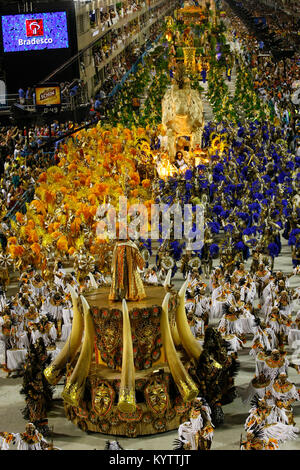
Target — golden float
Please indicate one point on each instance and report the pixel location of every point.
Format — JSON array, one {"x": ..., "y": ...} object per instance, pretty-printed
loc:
[{"x": 127, "y": 363}]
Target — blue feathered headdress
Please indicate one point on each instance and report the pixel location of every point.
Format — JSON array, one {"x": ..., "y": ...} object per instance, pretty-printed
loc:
[
  {"x": 275, "y": 212},
  {"x": 258, "y": 196},
  {"x": 147, "y": 244},
  {"x": 243, "y": 215},
  {"x": 176, "y": 250},
  {"x": 203, "y": 183},
  {"x": 273, "y": 249},
  {"x": 254, "y": 207},
  {"x": 225, "y": 214},
  {"x": 218, "y": 177},
  {"x": 240, "y": 132},
  {"x": 218, "y": 168},
  {"x": 281, "y": 177},
  {"x": 214, "y": 249},
  {"x": 240, "y": 246},
  {"x": 244, "y": 171},
  {"x": 161, "y": 184},
  {"x": 214, "y": 227},
  {"x": 170, "y": 200},
  {"x": 249, "y": 231},
  {"x": 290, "y": 165},
  {"x": 218, "y": 209},
  {"x": 230, "y": 188},
  {"x": 228, "y": 228},
  {"x": 188, "y": 175},
  {"x": 293, "y": 236},
  {"x": 266, "y": 178}
]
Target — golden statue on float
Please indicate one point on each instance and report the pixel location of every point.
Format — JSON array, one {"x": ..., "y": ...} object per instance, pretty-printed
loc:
[
  {"x": 124, "y": 375},
  {"x": 182, "y": 113},
  {"x": 195, "y": 14}
]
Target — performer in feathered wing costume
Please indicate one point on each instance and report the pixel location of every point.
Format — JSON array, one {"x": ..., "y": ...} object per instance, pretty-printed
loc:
[
  {"x": 285, "y": 393},
  {"x": 257, "y": 440},
  {"x": 261, "y": 414},
  {"x": 126, "y": 281},
  {"x": 197, "y": 433}
]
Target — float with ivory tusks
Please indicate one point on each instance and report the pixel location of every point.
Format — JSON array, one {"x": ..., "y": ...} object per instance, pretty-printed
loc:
[
  {"x": 130, "y": 369},
  {"x": 55, "y": 370}
]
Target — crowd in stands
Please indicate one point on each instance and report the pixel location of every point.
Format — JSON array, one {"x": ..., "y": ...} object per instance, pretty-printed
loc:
[
  {"x": 280, "y": 22},
  {"x": 109, "y": 44},
  {"x": 22, "y": 158},
  {"x": 113, "y": 16},
  {"x": 275, "y": 81}
]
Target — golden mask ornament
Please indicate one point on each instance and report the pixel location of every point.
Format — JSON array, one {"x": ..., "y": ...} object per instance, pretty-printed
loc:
[
  {"x": 157, "y": 397},
  {"x": 104, "y": 399},
  {"x": 110, "y": 336}
]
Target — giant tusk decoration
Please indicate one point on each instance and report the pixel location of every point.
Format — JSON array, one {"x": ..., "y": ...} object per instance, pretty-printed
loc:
[
  {"x": 168, "y": 287},
  {"x": 185, "y": 384},
  {"x": 93, "y": 281},
  {"x": 126, "y": 403},
  {"x": 167, "y": 283},
  {"x": 55, "y": 370},
  {"x": 74, "y": 388},
  {"x": 189, "y": 342},
  {"x": 175, "y": 334}
]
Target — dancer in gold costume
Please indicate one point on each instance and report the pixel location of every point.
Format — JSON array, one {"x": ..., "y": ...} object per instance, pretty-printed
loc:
[{"x": 126, "y": 281}]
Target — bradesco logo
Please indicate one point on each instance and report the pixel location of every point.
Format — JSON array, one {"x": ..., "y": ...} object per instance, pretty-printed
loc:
[
  {"x": 34, "y": 28},
  {"x": 34, "y": 33}
]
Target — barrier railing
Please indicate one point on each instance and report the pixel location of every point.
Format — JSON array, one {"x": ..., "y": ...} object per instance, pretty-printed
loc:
[
  {"x": 6, "y": 101},
  {"x": 20, "y": 205},
  {"x": 69, "y": 102}
]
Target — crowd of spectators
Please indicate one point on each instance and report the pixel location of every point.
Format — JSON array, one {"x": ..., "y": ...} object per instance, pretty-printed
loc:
[
  {"x": 275, "y": 81},
  {"x": 23, "y": 157},
  {"x": 280, "y": 22},
  {"x": 113, "y": 16},
  {"x": 116, "y": 39}
]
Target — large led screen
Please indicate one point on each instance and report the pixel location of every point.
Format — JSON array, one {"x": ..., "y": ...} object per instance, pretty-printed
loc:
[{"x": 35, "y": 32}]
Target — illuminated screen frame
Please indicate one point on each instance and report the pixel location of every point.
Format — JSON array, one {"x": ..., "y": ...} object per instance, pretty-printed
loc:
[
  {"x": 47, "y": 95},
  {"x": 35, "y": 32}
]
